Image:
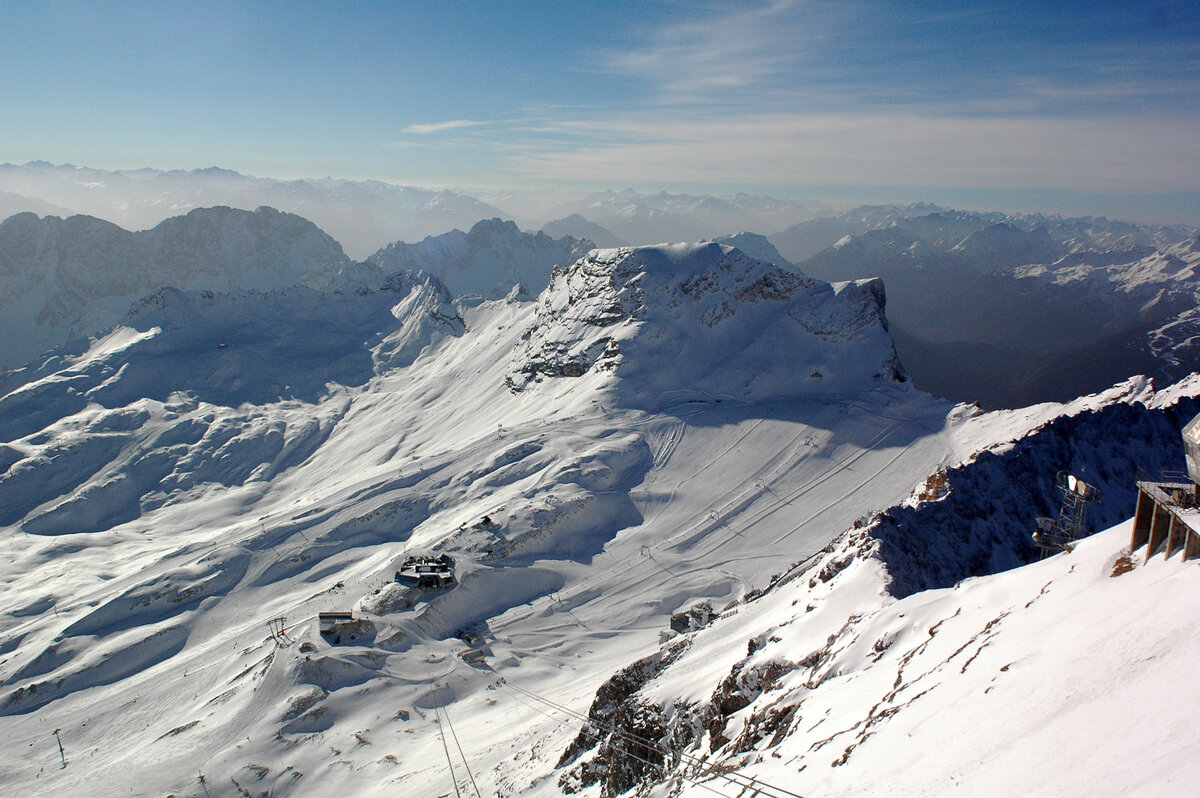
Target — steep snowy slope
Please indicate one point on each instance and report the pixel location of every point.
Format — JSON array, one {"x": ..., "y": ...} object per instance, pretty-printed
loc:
[
  {"x": 824, "y": 683},
  {"x": 754, "y": 245},
  {"x": 63, "y": 278},
  {"x": 171, "y": 532},
  {"x": 1050, "y": 680},
  {"x": 487, "y": 261}
]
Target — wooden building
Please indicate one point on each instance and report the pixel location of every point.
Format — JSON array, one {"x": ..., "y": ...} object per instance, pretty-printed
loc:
[{"x": 1168, "y": 516}]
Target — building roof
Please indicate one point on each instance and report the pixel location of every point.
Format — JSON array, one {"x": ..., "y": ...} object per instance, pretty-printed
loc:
[{"x": 1164, "y": 494}]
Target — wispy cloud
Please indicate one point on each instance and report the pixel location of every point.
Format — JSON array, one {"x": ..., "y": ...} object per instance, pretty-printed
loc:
[
  {"x": 824, "y": 56},
  {"x": 856, "y": 92},
  {"x": 438, "y": 127},
  {"x": 714, "y": 50},
  {"x": 883, "y": 148}
]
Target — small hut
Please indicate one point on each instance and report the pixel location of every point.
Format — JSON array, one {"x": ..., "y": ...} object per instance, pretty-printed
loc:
[{"x": 330, "y": 622}]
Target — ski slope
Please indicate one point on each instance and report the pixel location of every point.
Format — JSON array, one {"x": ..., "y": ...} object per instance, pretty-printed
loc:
[{"x": 171, "y": 526}]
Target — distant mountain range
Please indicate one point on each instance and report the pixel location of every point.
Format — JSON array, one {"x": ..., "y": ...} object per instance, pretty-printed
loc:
[
  {"x": 77, "y": 277},
  {"x": 361, "y": 214},
  {"x": 1013, "y": 309},
  {"x": 1000, "y": 309}
]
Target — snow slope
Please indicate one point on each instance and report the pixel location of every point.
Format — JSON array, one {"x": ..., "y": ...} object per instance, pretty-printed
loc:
[
  {"x": 1050, "y": 680},
  {"x": 826, "y": 683},
  {"x": 160, "y": 511}
]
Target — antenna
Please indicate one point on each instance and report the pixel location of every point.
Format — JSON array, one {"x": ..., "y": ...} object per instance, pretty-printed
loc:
[{"x": 1059, "y": 534}]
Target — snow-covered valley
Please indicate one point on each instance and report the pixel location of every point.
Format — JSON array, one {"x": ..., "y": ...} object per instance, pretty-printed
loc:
[{"x": 662, "y": 426}]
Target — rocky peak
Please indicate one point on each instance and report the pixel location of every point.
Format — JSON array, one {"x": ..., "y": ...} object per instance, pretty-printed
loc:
[{"x": 707, "y": 319}]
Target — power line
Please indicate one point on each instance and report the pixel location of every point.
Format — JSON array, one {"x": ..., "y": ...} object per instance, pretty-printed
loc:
[
  {"x": 754, "y": 783},
  {"x": 583, "y": 730},
  {"x": 442, "y": 734},
  {"x": 446, "y": 748},
  {"x": 466, "y": 764}
]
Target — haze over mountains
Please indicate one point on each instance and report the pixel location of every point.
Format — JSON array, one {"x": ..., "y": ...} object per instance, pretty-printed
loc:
[
  {"x": 238, "y": 426},
  {"x": 1000, "y": 309},
  {"x": 1011, "y": 310},
  {"x": 65, "y": 278},
  {"x": 362, "y": 215}
]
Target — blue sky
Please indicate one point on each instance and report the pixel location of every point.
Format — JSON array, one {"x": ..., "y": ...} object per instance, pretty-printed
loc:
[{"x": 1010, "y": 101}]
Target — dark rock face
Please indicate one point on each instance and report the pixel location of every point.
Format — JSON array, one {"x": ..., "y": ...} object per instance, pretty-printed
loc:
[
  {"x": 985, "y": 523},
  {"x": 626, "y": 732}
]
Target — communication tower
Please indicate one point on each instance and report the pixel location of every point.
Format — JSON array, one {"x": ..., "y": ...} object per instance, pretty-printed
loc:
[{"x": 1058, "y": 534}]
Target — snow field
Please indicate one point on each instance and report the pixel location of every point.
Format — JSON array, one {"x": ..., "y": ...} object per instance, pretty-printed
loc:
[{"x": 140, "y": 627}]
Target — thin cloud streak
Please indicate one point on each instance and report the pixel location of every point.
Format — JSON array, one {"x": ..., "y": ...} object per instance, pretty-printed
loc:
[
  {"x": 438, "y": 127},
  {"x": 1097, "y": 154},
  {"x": 810, "y": 55},
  {"x": 701, "y": 59}
]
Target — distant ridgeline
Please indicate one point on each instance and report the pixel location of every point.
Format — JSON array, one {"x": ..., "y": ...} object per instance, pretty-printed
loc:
[{"x": 1011, "y": 310}]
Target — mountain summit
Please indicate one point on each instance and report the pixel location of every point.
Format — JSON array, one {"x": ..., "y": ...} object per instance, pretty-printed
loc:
[
  {"x": 706, "y": 320},
  {"x": 61, "y": 278}
]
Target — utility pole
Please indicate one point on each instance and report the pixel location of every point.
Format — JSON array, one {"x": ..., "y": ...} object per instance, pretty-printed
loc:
[{"x": 61, "y": 753}]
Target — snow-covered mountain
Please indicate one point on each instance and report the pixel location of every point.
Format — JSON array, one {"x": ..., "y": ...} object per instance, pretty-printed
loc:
[
  {"x": 654, "y": 218},
  {"x": 361, "y": 214},
  {"x": 1027, "y": 308},
  {"x": 663, "y": 426},
  {"x": 754, "y": 245},
  {"x": 487, "y": 261},
  {"x": 706, "y": 321},
  {"x": 65, "y": 278},
  {"x": 802, "y": 240},
  {"x": 579, "y": 227}
]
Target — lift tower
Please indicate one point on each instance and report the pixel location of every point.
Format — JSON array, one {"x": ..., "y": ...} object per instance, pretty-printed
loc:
[{"x": 1059, "y": 534}]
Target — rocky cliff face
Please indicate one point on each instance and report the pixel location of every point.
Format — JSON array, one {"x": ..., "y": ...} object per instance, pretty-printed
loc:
[{"x": 705, "y": 320}]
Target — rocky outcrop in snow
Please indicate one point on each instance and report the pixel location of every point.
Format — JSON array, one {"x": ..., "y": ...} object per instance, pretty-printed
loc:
[
  {"x": 985, "y": 522},
  {"x": 705, "y": 320}
]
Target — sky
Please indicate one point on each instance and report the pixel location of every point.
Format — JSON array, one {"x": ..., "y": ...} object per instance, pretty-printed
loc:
[{"x": 1000, "y": 102}]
